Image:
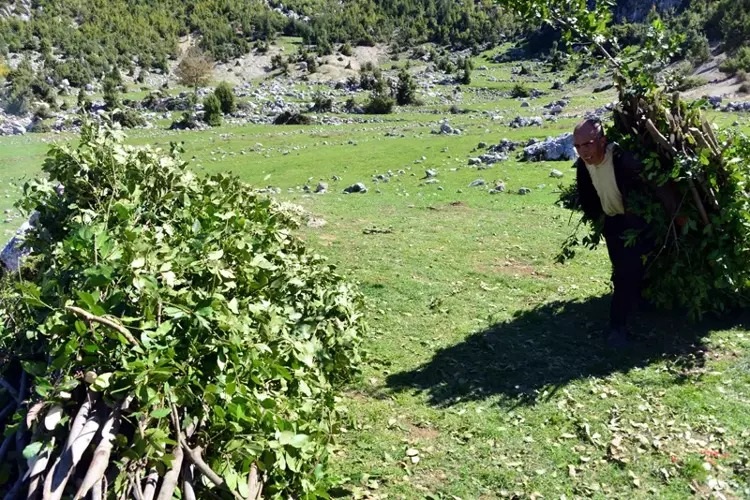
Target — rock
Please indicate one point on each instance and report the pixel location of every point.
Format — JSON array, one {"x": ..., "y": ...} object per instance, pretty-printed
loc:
[
  {"x": 321, "y": 188},
  {"x": 475, "y": 161},
  {"x": 429, "y": 173},
  {"x": 356, "y": 188},
  {"x": 525, "y": 104},
  {"x": 499, "y": 187},
  {"x": 14, "y": 251},
  {"x": 551, "y": 149},
  {"x": 555, "y": 173},
  {"x": 524, "y": 190},
  {"x": 477, "y": 183},
  {"x": 482, "y": 145},
  {"x": 521, "y": 121},
  {"x": 603, "y": 87}
]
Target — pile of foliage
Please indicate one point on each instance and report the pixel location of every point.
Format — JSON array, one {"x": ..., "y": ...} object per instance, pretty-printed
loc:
[
  {"x": 704, "y": 264},
  {"x": 167, "y": 332}
]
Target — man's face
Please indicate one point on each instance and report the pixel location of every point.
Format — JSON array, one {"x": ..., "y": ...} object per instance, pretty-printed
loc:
[{"x": 590, "y": 144}]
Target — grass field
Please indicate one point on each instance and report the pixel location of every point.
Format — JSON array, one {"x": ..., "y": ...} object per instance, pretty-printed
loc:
[{"x": 487, "y": 376}]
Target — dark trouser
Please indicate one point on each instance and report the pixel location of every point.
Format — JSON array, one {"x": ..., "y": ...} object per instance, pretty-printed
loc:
[{"x": 628, "y": 264}]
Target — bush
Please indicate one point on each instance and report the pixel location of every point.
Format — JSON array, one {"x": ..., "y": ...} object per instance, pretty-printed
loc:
[
  {"x": 19, "y": 104},
  {"x": 225, "y": 95},
  {"x": 291, "y": 118},
  {"x": 744, "y": 88},
  {"x": 39, "y": 127},
  {"x": 406, "y": 89},
  {"x": 519, "y": 90},
  {"x": 183, "y": 302},
  {"x": 129, "y": 118},
  {"x": 379, "y": 104},
  {"x": 212, "y": 110},
  {"x": 690, "y": 82},
  {"x": 739, "y": 62},
  {"x": 346, "y": 50},
  {"x": 322, "y": 103}
]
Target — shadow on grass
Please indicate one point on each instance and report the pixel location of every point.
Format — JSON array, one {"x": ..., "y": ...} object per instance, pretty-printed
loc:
[{"x": 536, "y": 353}]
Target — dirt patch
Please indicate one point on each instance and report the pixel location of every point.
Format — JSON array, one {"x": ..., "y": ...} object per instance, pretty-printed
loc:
[{"x": 422, "y": 433}]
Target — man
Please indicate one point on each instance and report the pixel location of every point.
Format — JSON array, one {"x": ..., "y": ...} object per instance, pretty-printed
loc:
[{"x": 607, "y": 178}]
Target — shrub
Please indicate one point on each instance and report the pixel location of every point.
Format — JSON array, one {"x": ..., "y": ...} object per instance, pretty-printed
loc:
[
  {"x": 379, "y": 104},
  {"x": 179, "y": 302},
  {"x": 39, "y": 127},
  {"x": 212, "y": 110},
  {"x": 19, "y": 104},
  {"x": 346, "y": 50},
  {"x": 322, "y": 103},
  {"x": 690, "y": 82},
  {"x": 292, "y": 118},
  {"x": 406, "y": 89},
  {"x": 129, "y": 118},
  {"x": 519, "y": 90},
  {"x": 739, "y": 62},
  {"x": 225, "y": 95},
  {"x": 744, "y": 88}
]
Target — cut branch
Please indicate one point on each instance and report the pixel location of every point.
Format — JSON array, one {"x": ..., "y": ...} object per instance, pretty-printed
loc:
[
  {"x": 103, "y": 321},
  {"x": 82, "y": 431},
  {"x": 100, "y": 460}
]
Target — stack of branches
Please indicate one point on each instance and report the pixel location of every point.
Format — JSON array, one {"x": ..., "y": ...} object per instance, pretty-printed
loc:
[
  {"x": 78, "y": 457},
  {"x": 702, "y": 264},
  {"x": 167, "y": 335}
]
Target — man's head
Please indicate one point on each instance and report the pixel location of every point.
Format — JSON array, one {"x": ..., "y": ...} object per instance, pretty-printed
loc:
[{"x": 590, "y": 141}]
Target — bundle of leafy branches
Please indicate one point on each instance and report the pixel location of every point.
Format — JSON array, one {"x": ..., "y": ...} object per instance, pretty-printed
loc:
[
  {"x": 168, "y": 334},
  {"x": 703, "y": 265}
]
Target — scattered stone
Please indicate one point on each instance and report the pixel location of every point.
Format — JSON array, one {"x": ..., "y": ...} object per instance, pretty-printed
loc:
[
  {"x": 603, "y": 87},
  {"x": 551, "y": 149},
  {"x": 321, "y": 188},
  {"x": 477, "y": 183},
  {"x": 520, "y": 121},
  {"x": 555, "y": 173},
  {"x": 482, "y": 145},
  {"x": 430, "y": 173},
  {"x": 356, "y": 188},
  {"x": 524, "y": 190},
  {"x": 499, "y": 188}
]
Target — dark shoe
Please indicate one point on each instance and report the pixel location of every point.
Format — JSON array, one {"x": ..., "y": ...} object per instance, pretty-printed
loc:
[{"x": 618, "y": 338}]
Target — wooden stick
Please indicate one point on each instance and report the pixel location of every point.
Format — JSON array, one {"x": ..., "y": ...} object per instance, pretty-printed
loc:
[
  {"x": 100, "y": 460},
  {"x": 698, "y": 202},
  {"x": 254, "y": 483},
  {"x": 103, "y": 321},
  {"x": 169, "y": 483}
]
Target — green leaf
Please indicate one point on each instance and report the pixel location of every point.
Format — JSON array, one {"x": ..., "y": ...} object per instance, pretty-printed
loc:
[
  {"x": 138, "y": 263},
  {"x": 218, "y": 254},
  {"x": 32, "y": 450},
  {"x": 161, "y": 412}
]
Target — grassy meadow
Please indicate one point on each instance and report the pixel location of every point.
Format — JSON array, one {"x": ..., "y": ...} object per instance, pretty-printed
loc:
[{"x": 487, "y": 375}]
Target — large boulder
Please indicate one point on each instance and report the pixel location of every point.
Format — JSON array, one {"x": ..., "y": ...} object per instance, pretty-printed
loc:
[{"x": 551, "y": 149}]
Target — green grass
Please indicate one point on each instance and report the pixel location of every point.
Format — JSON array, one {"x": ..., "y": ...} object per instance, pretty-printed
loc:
[{"x": 484, "y": 355}]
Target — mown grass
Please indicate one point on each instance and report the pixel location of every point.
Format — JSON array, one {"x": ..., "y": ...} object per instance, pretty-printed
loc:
[{"x": 485, "y": 357}]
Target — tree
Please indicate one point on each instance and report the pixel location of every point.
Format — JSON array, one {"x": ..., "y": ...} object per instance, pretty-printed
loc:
[
  {"x": 194, "y": 69},
  {"x": 212, "y": 110},
  {"x": 406, "y": 89},
  {"x": 225, "y": 94}
]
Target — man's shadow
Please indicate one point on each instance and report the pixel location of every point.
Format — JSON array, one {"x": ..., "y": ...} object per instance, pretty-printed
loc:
[{"x": 540, "y": 351}]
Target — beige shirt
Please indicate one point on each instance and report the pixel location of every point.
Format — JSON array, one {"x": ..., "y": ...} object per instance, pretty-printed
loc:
[{"x": 603, "y": 177}]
